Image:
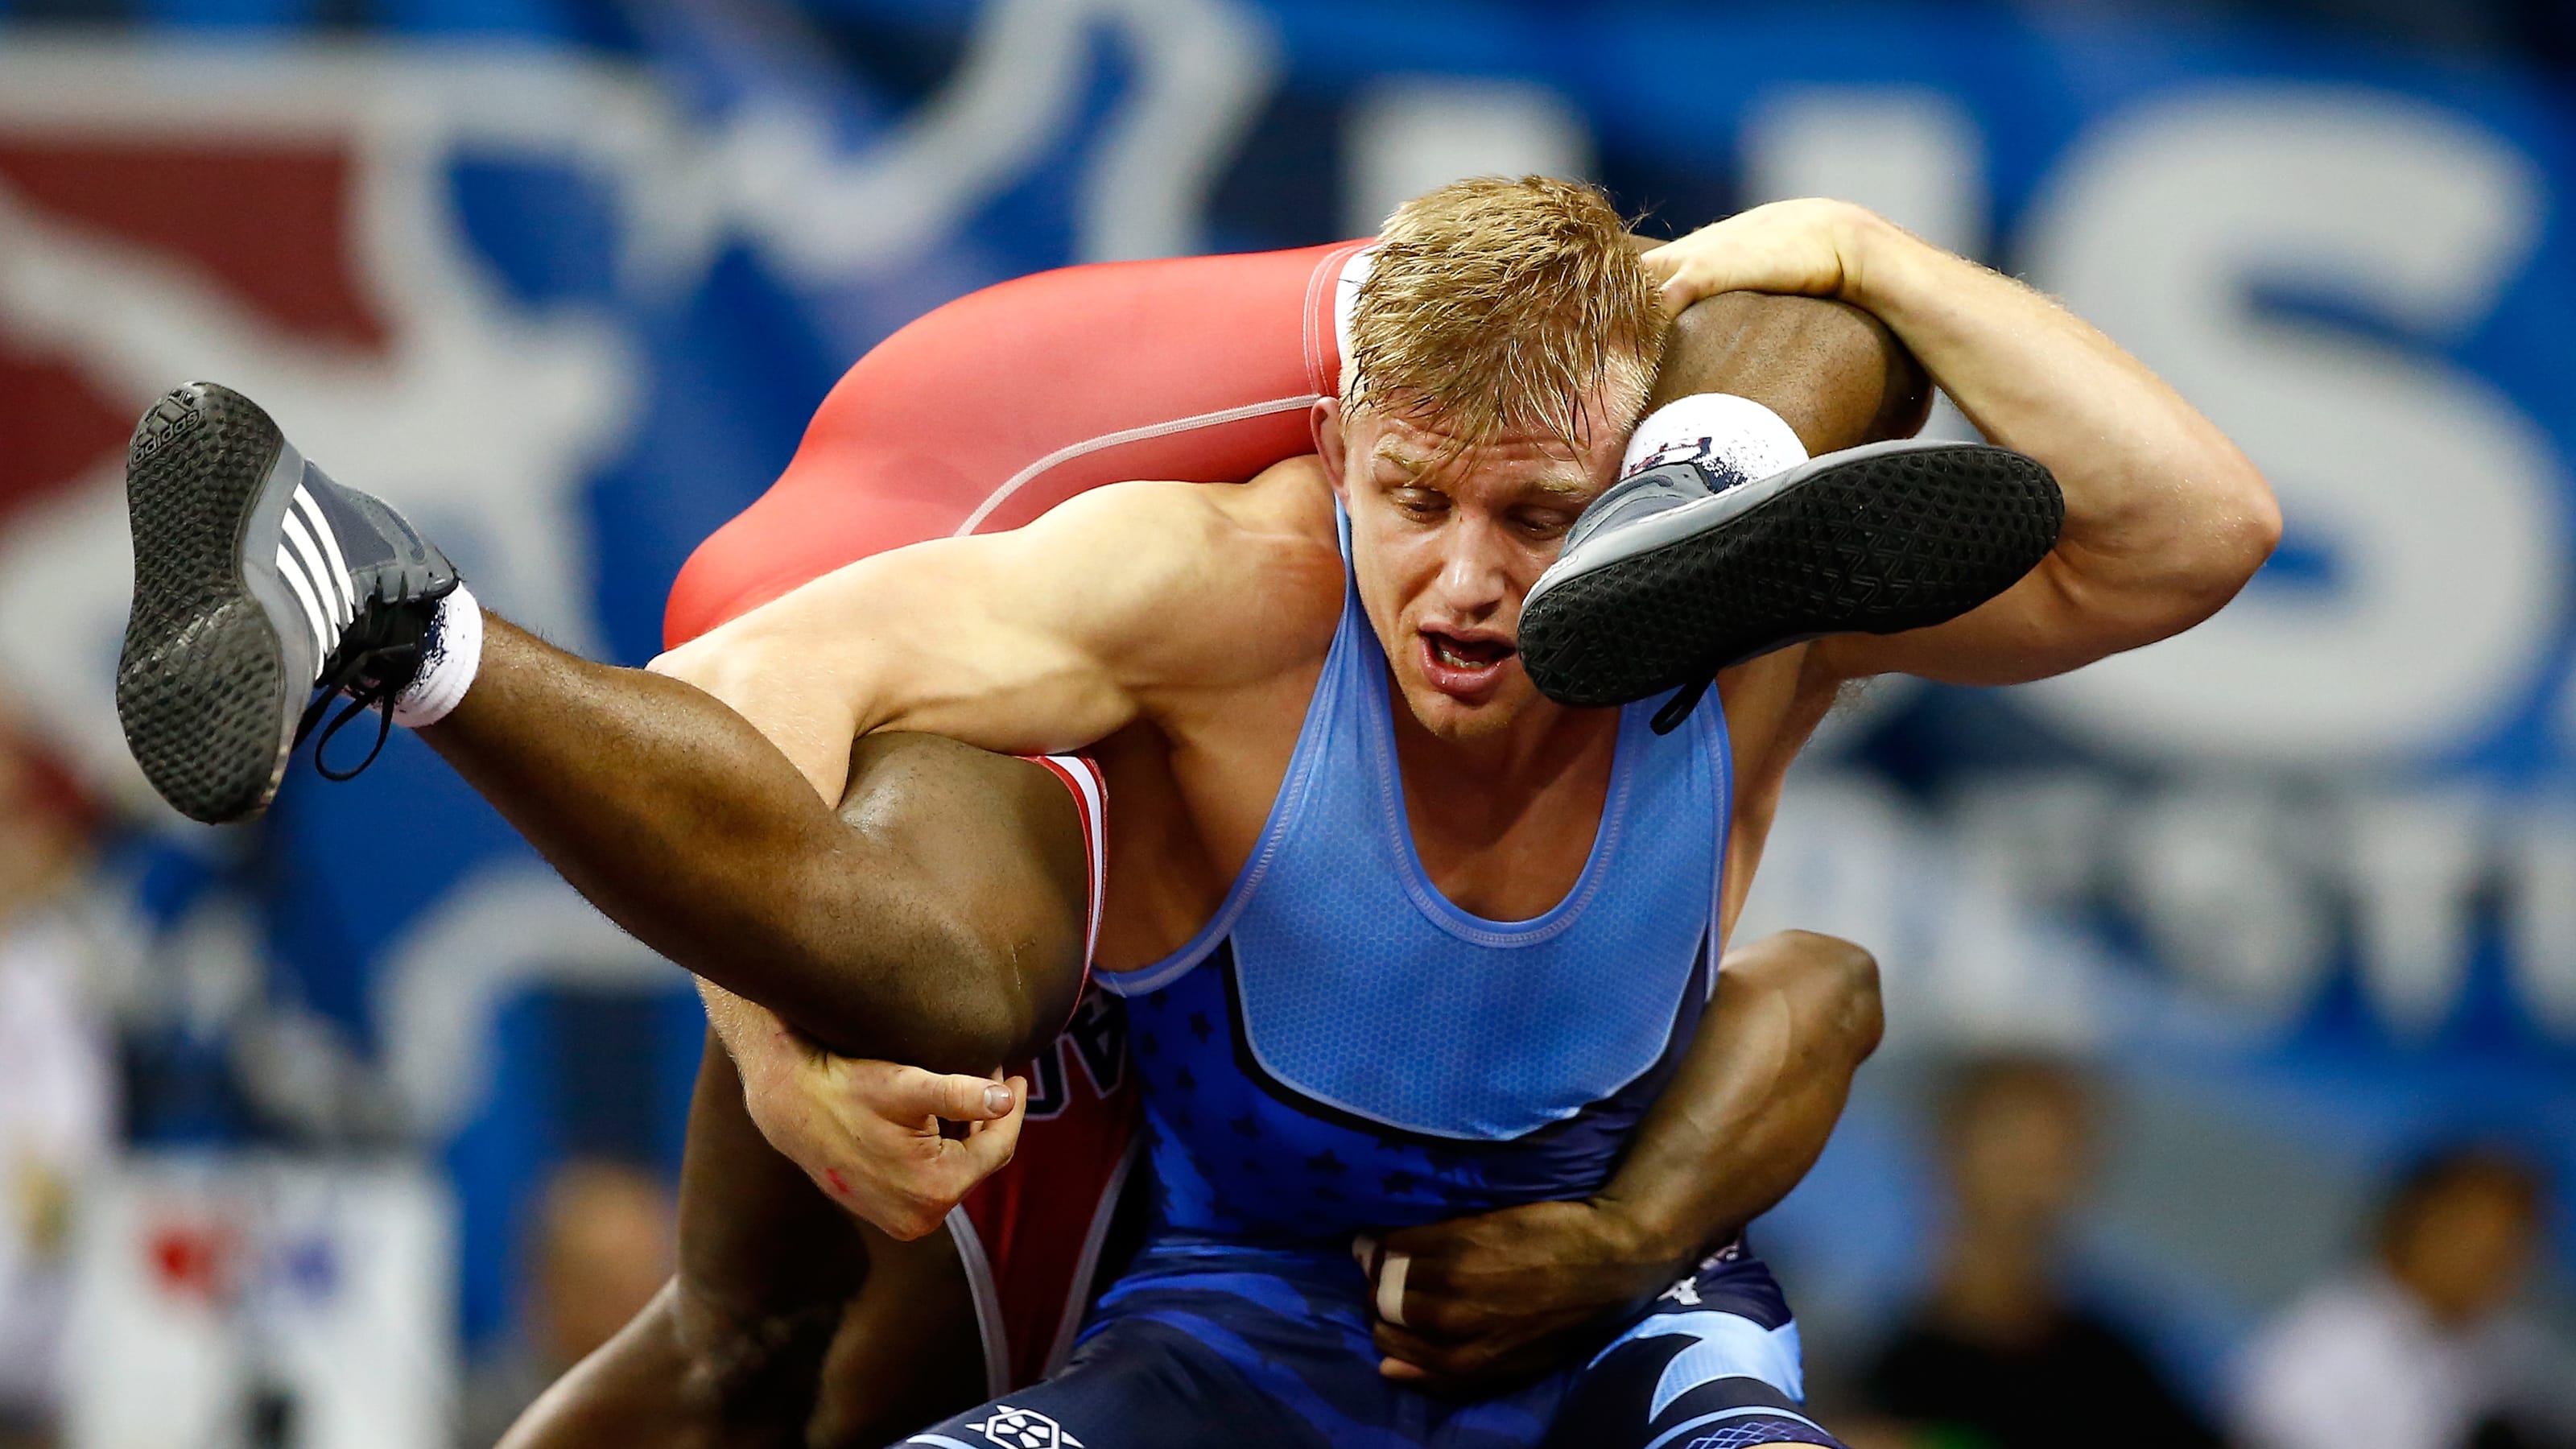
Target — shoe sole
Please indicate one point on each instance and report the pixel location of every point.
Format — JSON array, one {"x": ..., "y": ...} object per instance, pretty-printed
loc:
[
  {"x": 1876, "y": 540},
  {"x": 212, "y": 676}
]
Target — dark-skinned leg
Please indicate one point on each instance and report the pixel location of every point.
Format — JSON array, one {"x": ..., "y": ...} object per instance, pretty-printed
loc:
[
  {"x": 1833, "y": 373},
  {"x": 947, "y": 934},
  {"x": 728, "y": 1352},
  {"x": 790, "y": 1324}
]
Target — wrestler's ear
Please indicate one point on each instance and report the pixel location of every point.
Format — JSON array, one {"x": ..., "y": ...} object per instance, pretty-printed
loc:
[{"x": 1326, "y": 419}]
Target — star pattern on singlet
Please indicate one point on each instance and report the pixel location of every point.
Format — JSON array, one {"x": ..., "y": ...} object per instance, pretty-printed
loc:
[
  {"x": 1766, "y": 1429},
  {"x": 1258, "y": 1163}
]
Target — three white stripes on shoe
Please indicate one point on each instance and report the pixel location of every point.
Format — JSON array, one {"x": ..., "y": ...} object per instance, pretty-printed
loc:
[{"x": 309, "y": 558}]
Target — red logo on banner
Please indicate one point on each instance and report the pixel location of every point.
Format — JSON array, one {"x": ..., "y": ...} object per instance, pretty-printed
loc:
[
  {"x": 191, "y": 1259},
  {"x": 265, "y": 224}
]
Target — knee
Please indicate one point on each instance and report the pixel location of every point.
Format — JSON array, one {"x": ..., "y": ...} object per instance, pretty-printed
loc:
[{"x": 744, "y": 1364}]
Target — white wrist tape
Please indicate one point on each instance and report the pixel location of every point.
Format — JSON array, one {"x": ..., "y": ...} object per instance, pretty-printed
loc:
[
  {"x": 1390, "y": 1287},
  {"x": 1721, "y": 432},
  {"x": 449, "y": 658}
]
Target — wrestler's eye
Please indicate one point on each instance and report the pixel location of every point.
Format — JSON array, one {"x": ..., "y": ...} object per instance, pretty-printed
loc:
[
  {"x": 1420, "y": 502},
  {"x": 1542, "y": 523}
]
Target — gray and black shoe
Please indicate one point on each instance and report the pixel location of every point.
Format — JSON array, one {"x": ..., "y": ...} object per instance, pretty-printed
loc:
[
  {"x": 262, "y": 590},
  {"x": 1682, "y": 571}
]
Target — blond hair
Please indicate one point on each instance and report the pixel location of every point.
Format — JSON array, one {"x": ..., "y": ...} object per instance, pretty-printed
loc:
[{"x": 1500, "y": 306}]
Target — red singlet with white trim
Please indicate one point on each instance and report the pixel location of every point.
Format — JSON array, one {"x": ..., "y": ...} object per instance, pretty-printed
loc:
[{"x": 981, "y": 416}]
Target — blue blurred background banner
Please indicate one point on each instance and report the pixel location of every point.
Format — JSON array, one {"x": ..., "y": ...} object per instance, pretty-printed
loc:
[{"x": 565, "y": 280}]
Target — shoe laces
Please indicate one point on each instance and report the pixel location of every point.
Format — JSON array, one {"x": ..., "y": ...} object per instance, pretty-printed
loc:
[{"x": 376, "y": 658}]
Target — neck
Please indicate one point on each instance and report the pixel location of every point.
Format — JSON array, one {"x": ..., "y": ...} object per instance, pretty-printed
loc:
[{"x": 1540, "y": 743}]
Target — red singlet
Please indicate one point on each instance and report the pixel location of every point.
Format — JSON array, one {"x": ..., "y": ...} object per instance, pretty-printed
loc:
[
  {"x": 1008, "y": 401},
  {"x": 979, "y": 417}
]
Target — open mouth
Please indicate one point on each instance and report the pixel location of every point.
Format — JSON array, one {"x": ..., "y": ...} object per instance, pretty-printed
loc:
[
  {"x": 1462, "y": 663},
  {"x": 1460, "y": 653}
]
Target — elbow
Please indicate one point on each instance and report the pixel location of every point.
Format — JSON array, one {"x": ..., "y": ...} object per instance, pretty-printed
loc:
[
  {"x": 2244, "y": 528},
  {"x": 1846, "y": 977},
  {"x": 1863, "y": 1015}
]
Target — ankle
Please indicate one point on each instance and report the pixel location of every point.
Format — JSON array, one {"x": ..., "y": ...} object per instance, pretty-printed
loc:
[
  {"x": 1734, "y": 437},
  {"x": 451, "y": 655}
]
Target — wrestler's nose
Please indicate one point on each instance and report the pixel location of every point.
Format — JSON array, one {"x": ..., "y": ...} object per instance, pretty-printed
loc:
[{"x": 1474, "y": 577}]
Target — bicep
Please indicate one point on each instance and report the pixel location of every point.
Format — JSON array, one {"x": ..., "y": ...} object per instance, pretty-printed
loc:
[
  {"x": 985, "y": 639},
  {"x": 2064, "y": 614}
]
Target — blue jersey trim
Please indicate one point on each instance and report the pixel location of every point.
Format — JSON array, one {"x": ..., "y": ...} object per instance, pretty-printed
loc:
[
  {"x": 1283, "y": 809},
  {"x": 1445, "y": 913}
]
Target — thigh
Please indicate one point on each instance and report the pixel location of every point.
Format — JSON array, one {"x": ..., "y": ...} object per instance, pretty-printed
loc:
[
  {"x": 1714, "y": 1364},
  {"x": 1264, "y": 1348},
  {"x": 1136, "y": 1383}
]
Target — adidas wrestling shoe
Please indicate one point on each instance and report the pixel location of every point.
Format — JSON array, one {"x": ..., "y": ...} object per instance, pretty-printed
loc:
[
  {"x": 1679, "y": 572},
  {"x": 262, "y": 590}
]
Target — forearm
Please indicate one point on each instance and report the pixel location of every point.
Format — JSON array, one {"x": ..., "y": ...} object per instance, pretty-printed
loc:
[
  {"x": 2158, "y": 500},
  {"x": 1756, "y": 1097}
]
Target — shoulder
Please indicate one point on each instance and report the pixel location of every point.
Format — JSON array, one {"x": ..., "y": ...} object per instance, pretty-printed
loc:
[
  {"x": 1202, "y": 584},
  {"x": 1273, "y": 537}
]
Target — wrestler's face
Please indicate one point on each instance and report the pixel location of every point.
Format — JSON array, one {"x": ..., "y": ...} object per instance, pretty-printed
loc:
[{"x": 1445, "y": 545}]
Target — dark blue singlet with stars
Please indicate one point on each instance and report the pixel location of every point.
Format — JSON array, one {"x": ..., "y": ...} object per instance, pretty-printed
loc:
[{"x": 1342, "y": 1050}]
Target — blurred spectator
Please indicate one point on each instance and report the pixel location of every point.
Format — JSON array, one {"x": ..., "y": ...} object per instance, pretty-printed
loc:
[
  {"x": 1999, "y": 1355},
  {"x": 605, "y": 1246},
  {"x": 56, "y": 1111},
  {"x": 2416, "y": 1349},
  {"x": 604, "y": 1241}
]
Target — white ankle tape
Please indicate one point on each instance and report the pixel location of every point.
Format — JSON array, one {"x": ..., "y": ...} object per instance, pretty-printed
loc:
[
  {"x": 449, "y": 657},
  {"x": 1721, "y": 432}
]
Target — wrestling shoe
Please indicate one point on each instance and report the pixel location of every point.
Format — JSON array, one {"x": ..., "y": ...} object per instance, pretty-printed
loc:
[
  {"x": 1680, "y": 571},
  {"x": 261, "y": 591}
]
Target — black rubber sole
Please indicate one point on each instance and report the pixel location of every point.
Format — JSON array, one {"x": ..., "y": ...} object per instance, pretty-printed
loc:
[
  {"x": 1874, "y": 542},
  {"x": 203, "y": 687}
]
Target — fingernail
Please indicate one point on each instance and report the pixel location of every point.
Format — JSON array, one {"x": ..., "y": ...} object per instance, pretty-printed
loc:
[{"x": 997, "y": 1099}]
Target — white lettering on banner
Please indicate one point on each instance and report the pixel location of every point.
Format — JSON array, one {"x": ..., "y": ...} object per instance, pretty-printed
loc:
[
  {"x": 1912, "y": 154},
  {"x": 2440, "y": 504},
  {"x": 2540, "y": 868},
  {"x": 2415, "y": 860},
  {"x": 1962, "y": 953},
  {"x": 2211, "y": 877},
  {"x": 1982, "y": 911}
]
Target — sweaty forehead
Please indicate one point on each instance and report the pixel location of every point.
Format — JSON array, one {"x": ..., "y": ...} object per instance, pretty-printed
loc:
[{"x": 1522, "y": 461}]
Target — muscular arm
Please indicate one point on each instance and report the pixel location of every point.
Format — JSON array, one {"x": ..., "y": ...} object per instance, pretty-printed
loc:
[
  {"x": 1022, "y": 641},
  {"x": 1505, "y": 1296},
  {"x": 2165, "y": 518},
  {"x": 1795, "y": 1016}
]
